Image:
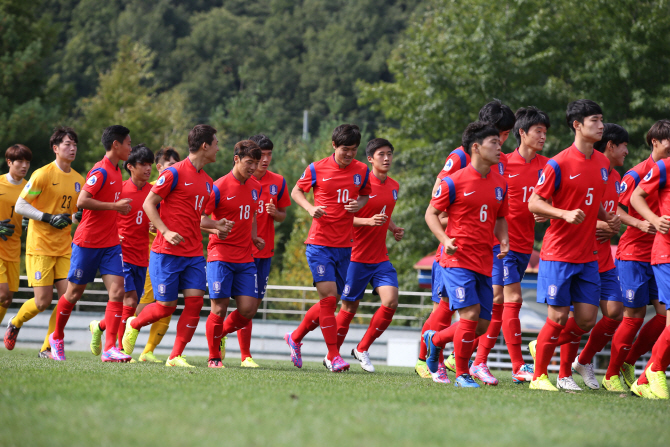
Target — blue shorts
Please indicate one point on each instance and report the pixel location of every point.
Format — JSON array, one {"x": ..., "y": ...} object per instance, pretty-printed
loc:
[
  {"x": 466, "y": 288},
  {"x": 662, "y": 273},
  {"x": 329, "y": 264},
  {"x": 610, "y": 287},
  {"x": 360, "y": 275},
  {"x": 226, "y": 279},
  {"x": 638, "y": 283},
  {"x": 563, "y": 283},
  {"x": 514, "y": 267},
  {"x": 497, "y": 272},
  {"x": 85, "y": 263},
  {"x": 170, "y": 274},
  {"x": 262, "y": 275},
  {"x": 435, "y": 282},
  {"x": 134, "y": 278}
]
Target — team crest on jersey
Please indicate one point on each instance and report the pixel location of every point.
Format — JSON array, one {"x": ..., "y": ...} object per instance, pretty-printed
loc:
[
  {"x": 603, "y": 172},
  {"x": 460, "y": 294},
  {"x": 78, "y": 273},
  {"x": 630, "y": 295},
  {"x": 209, "y": 188},
  {"x": 77, "y": 187},
  {"x": 395, "y": 194},
  {"x": 648, "y": 176},
  {"x": 273, "y": 190},
  {"x": 27, "y": 187},
  {"x": 501, "y": 168},
  {"x": 92, "y": 180},
  {"x": 321, "y": 270},
  {"x": 161, "y": 181},
  {"x": 303, "y": 175},
  {"x": 499, "y": 194},
  {"x": 217, "y": 286},
  {"x": 617, "y": 186},
  {"x": 541, "y": 179},
  {"x": 347, "y": 289},
  {"x": 161, "y": 289},
  {"x": 38, "y": 275},
  {"x": 254, "y": 194},
  {"x": 357, "y": 179},
  {"x": 439, "y": 191},
  {"x": 448, "y": 165},
  {"x": 552, "y": 291},
  {"x": 539, "y": 173},
  {"x": 623, "y": 187}
]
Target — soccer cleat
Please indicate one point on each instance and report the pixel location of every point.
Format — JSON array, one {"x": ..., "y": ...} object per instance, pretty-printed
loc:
[
  {"x": 614, "y": 384},
  {"x": 336, "y": 365},
  {"x": 643, "y": 391},
  {"x": 214, "y": 363},
  {"x": 46, "y": 354},
  {"x": 465, "y": 381},
  {"x": 57, "y": 348},
  {"x": 441, "y": 375},
  {"x": 567, "y": 383},
  {"x": 525, "y": 374},
  {"x": 364, "y": 359},
  {"x": 628, "y": 373},
  {"x": 542, "y": 383},
  {"x": 249, "y": 363},
  {"x": 10, "y": 335},
  {"x": 657, "y": 383},
  {"x": 222, "y": 347},
  {"x": 450, "y": 363},
  {"x": 149, "y": 357},
  {"x": 482, "y": 373},
  {"x": 422, "y": 369},
  {"x": 587, "y": 373},
  {"x": 433, "y": 357},
  {"x": 531, "y": 348},
  {"x": 129, "y": 337},
  {"x": 178, "y": 361},
  {"x": 115, "y": 355},
  {"x": 296, "y": 357},
  {"x": 96, "y": 337}
]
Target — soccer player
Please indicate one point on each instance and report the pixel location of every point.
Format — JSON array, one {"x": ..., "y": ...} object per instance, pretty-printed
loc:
[
  {"x": 569, "y": 192},
  {"x": 475, "y": 199},
  {"x": 48, "y": 200},
  {"x": 134, "y": 235},
  {"x": 614, "y": 144},
  {"x": 634, "y": 266},
  {"x": 369, "y": 257},
  {"x": 341, "y": 188},
  {"x": 18, "y": 159},
  {"x": 177, "y": 262}
]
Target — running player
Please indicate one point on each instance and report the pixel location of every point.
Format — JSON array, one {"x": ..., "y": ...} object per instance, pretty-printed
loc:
[
  {"x": 134, "y": 236},
  {"x": 614, "y": 144},
  {"x": 634, "y": 266},
  {"x": 569, "y": 191},
  {"x": 341, "y": 188},
  {"x": 177, "y": 262},
  {"x": 475, "y": 199},
  {"x": 48, "y": 200},
  {"x": 18, "y": 159},
  {"x": 369, "y": 258}
]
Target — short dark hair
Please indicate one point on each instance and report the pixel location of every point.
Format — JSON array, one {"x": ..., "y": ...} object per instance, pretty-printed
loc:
[
  {"x": 18, "y": 152},
  {"x": 139, "y": 154},
  {"x": 614, "y": 133},
  {"x": 659, "y": 131},
  {"x": 477, "y": 132},
  {"x": 248, "y": 148},
  {"x": 527, "y": 117},
  {"x": 498, "y": 114},
  {"x": 112, "y": 134},
  {"x": 580, "y": 109},
  {"x": 262, "y": 141},
  {"x": 377, "y": 143},
  {"x": 166, "y": 154},
  {"x": 347, "y": 135},
  {"x": 199, "y": 135},
  {"x": 60, "y": 133}
]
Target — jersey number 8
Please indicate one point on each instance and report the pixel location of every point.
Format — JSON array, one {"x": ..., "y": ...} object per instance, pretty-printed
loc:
[{"x": 138, "y": 220}]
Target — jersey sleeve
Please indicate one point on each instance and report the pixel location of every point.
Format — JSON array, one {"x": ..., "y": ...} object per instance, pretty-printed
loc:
[
  {"x": 549, "y": 181},
  {"x": 655, "y": 178},
  {"x": 452, "y": 164},
  {"x": 95, "y": 181},
  {"x": 283, "y": 196},
  {"x": 213, "y": 200},
  {"x": 366, "y": 188},
  {"x": 444, "y": 196},
  {"x": 308, "y": 179},
  {"x": 504, "y": 207},
  {"x": 34, "y": 187},
  {"x": 165, "y": 183},
  {"x": 628, "y": 184}
]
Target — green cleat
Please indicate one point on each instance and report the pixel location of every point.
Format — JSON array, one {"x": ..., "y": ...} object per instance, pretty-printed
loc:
[
  {"x": 96, "y": 337},
  {"x": 422, "y": 369},
  {"x": 657, "y": 383},
  {"x": 178, "y": 361},
  {"x": 531, "y": 348},
  {"x": 223, "y": 347},
  {"x": 129, "y": 337},
  {"x": 149, "y": 357},
  {"x": 614, "y": 384},
  {"x": 450, "y": 363},
  {"x": 628, "y": 373},
  {"x": 643, "y": 391}
]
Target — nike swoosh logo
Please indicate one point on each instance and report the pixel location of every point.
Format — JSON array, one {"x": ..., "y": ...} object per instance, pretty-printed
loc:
[
  {"x": 64, "y": 314},
  {"x": 373, "y": 196},
  {"x": 325, "y": 179},
  {"x": 326, "y": 327},
  {"x": 467, "y": 341},
  {"x": 159, "y": 334},
  {"x": 380, "y": 330},
  {"x": 218, "y": 336},
  {"x": 111, "y": 183},
  {"x": 230, "y": 198},
  {"x": 468, "y": 193},
  {"x": 626, "y": 349},
  {"x": 571, "y": 177},
  {"x": 54, "y": 184},
  {"x": 517, "y": 335},
  {"x": 188, "y": 184},
  {"x": 117, "y": 316},
  {"x": 609, "y": 335},
  {"x": 315, "y": 322},
  {"x": 492, "y": 338},
  {"x": 512, "y": 176},
  {"x": 554, "y": 338},
  {"x": 193, "y": 327}
]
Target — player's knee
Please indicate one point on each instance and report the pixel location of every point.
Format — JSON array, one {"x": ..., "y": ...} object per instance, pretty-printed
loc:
[
  {"x": 42, "y": 305},
  {"x": 393, "y": 304},
  {"x": 5, "y": 299},
  {"x": 248, "y": 313}
]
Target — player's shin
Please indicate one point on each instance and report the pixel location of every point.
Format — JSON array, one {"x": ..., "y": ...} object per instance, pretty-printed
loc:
[
  {"x": 244, "y": 339},
  {"x": 52, "y": 327},
  {"x": 511, "y": 328},
  {"x": 27, "y": 312},
  {"x": 463, "y": 345},
  {"x": 156, "y": 333},
  {"x": 423, "y": 351},
  {"x": 378, "y": 324},
  {"x": 113, "y": 317},
  {"x": 547, "y": 340},
  {"x": 646, "y": 338},
  {"x": 127, "y": 312},
  {"x": 570, "y": 331},
  {"x": 568, "y": 354},
  {"x": 64, "y": 309},
  {"x": 489, "y": 339},
  {"x": 214, "y": 332},
  {"x": 343, "y": 321},
  {"x": 234, "y": 322},
  {"x": 601, "y": 334},
  {"x": 188, "y": 322},
  {"x": 309, "y": 322},
  {"x": 329, "y": 325},
  {"x": 621, "y": 343}
]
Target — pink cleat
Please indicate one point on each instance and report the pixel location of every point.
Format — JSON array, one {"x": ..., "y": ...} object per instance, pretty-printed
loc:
[
  {"x": 482, "y": 372},
  {"x": 57, "y": 348},
  {"x": 115, "y": 355},
  {"x": 441, "y": 375},
  {"x": 296, "y": 357},
  {"x": 336, "y": 365}
]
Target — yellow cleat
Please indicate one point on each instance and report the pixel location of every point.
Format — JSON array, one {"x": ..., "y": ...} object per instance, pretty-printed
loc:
[
  {"x": 643, "y": 391},
  {"x": 178, "y": 361},
  {"x": 422, "y": 370},
  {"x": 149, "y": 357},
  {"x": 531, "y": 348},
  {"x": 628, "y": 373},
  {"x": 249, "y": 363},
  {"x": 614, "y": 384},
  {"x": 657, "y": 383},
  {"x": 542, "y": 383},
  {"x": 450, "y": 363},
  {"x": 96, "y": 337},
  {"x": 223, "y": 347},
  {"x": 129, "y": 337}
]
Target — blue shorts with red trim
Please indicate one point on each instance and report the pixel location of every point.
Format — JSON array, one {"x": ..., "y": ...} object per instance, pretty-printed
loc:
[
  {"x": 563, "y": 283},
  {"x": 360, "y": 275},
  {"x": 638, "y": 283},
  {"x": 466, "y": 288},
  {"x": 85, "y": 263}
]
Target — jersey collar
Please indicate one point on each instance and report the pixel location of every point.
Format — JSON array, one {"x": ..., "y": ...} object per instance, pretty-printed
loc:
[
  {"x": 476, "y": 172},
  {"x": 232, "y": 174},
  {"x": 107, "y": 161},
  {"x": 374, "y": 177},
  {"x": 138, "y": 188},
  {"x": 334, "y": 163},
  {"x": 518, "y": 154}
]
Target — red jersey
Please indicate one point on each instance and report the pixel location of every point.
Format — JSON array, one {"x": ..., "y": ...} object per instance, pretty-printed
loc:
[
  {"x": 521, "y": 179},
  {"x": 185, "y": 193},
  {"x": 473, "y": 204},
  {"x": 273, "y": 187},
  {"x": 233, "y": 200},
  {"x": 98, "y": 228},
  {"x": 610, "y": 203},
  {"x": 333, "y": 188},
  {"x": 635, "y": 245},
  {"x": 655, "y": 181},
  {"x": 456, "y": 160},
  {"x": 370, "y": 242},
  {"x": 134, "y": 226},
  {"x": 572, "y": 181}
]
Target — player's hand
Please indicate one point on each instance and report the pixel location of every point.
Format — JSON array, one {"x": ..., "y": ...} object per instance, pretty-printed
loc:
[
  {"x": 259, "y": 243},
  {"x": 121, "y": 238},
  {"x": 271, "y": 209},
  {"x": 173, "y": 237},
  {"x": 377, "y": 220},
  {"x": 60, "y": 221},
  {"x": 6, "y": 229},
  {"x": 123, "y": 206},
  {"x": 504, "y": 249},
  {"x": 449, "y": 246},
  {"x": 574, "y": 217},
  {"x": 78, "y": 216},
  {"x": 24, "y": 223},
  {"x": 604, "y": 235},
  {"x": 614, "y": 222},
  {"x": 223, "y": 228},
  {"x": 352, "y": 206},
  {"x": 646, "y": 227},
  {"x": 317, "y": 211},
  {"x": 662, "y": 224},
  {"x": 152, "y": 229},
  {"x": 398, "y": 233},
  {"x": 539, "y": 219}
]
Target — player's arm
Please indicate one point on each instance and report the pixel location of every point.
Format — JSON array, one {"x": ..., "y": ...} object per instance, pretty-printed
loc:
[
  {"x": 298, "y": 196},
  {"x": 219, "y": 227},
  {"x": 500, "y": 232},
  {"x": 398, "y": 232},
  {"x": 355, "y": 205},
  {"x": 374, "y": 221},
  {"x": 630, "y": 221},
  {"x": 87, "y": 202},
  {"x": 25, "y": 209},
  {"x": 639, "y": 202},
  {"x": 542, "y": 207},
  {"x": 258, "y": 241},
  {"x": 150, "y": 207},
  {"x": 432, "y": 217}
]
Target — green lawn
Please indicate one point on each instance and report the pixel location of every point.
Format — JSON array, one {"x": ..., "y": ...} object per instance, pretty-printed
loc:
[{"x": 85, "y": 402}]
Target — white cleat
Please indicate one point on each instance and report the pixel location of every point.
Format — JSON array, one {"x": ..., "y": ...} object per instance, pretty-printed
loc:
[
  {"x": 364, "y": 358},
  {"x": 568, "y": 384},
  {"x": 586, "y": 371}
]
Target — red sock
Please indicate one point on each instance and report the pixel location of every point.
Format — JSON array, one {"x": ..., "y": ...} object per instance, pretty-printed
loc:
[
  {"x": 328, "y": 325},
  {"x": 463, "y": 345},
  {"x": 113, "y": 316},
  {"x": 442, "y": 320},
  {"x": 214, "y": 332},
  {"x": 488, "y": 341},
  {"x": 643, "y": 377},
  {"x": 423, "y": 351},
  {"x": 378, "y": 324},
  {"x": 547, "y": 340},
  {"x": 601, "y": 334},
  {"x": 621, "y": 343},
  {"x": 244, "y": 339},
  {"x": 343, "y": 321},
  {"x": 187, "y": 324},
  {"x": 63, "y": 309},
  {"x": 570, "y": 331},
  {"x": 661, "y": 352},
  {"x": 102, "y": 325},
  {"x": 646, "y": 338},
  {"x": 234, "y": 322},
  {"x": 309, "y": 322},
  {"x": 151, "y": 314},
  {"x": 128, "y": 312},
  {"x": 440, "y": 339},
  {"x": 568, "y": 354},
  {"x": 511, "y": 328}
]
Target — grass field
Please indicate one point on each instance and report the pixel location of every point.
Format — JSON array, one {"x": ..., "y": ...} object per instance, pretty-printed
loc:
[{"x": 85, "y": 402}]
